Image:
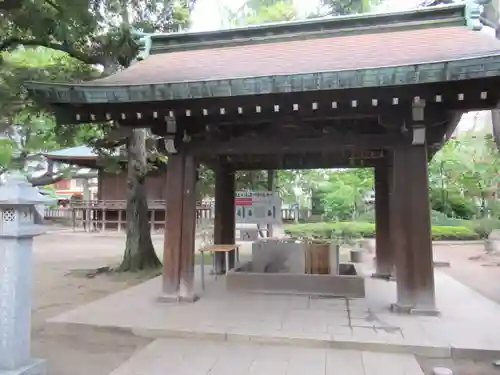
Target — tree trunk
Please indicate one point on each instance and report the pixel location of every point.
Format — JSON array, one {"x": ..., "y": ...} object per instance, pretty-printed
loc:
[
  {"x": 139, "y": 251},
  {"x": 495, "y": 120}
]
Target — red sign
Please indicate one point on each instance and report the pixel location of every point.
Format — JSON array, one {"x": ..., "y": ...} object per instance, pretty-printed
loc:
[{"x": 243, "y": 201}]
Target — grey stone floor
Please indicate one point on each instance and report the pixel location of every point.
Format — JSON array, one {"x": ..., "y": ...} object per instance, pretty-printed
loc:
[
  {"x": 468, "y": 325},
  {"x": 195, "y": 357}
]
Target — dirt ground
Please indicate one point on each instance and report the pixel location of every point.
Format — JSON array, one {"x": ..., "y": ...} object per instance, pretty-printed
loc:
[
  {"x": 60, "y": 284},
  {"x": 61, "y": 261}
]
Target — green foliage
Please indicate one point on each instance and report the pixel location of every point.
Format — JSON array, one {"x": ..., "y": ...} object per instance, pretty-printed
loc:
[
  {"x": 453, "y": 233},
  {"x": 93, "y": 31},
  {"x": 483, "y": 227},
  {"x": 344, "y": 191},
  {"x": 463, "y": 176},
  {"x": 452, "y": 205},
  {"x": 6, "y": 150},
  {"x": 26, "y": 128},
  {"x": 256, "y": 12},
  {"x": 63, "y": 41},
  {"x": 437, "y": 218},
  {"x": 344, "y": 7},
  {"x": 440, "y": 219},
  {"x": 353, "y": 230}
]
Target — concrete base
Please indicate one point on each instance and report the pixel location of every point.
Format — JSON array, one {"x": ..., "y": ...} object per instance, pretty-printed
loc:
[
  {"x": 243, "y": 279},
  {"x": 415, "y": 310},
  {"x": 34, "y": 367},
  {"x": 165, "y": 298}
]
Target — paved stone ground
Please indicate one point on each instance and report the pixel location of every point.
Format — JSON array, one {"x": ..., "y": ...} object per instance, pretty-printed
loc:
[
  {"x": 363, "y": 324},
  {"x": 58, "y": 289},
  {"x": 481, "y": 274},
  {"x": 188, "y": 357}
]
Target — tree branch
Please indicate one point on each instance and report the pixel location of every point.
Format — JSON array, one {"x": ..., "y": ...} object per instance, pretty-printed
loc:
[
  {"x": 13, "y": 42},
  {"x": 51, "y": 178},
  {"x": 55, "y": 6}
]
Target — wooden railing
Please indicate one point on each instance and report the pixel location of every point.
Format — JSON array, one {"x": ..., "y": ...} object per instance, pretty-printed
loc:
[{"x": 111, "y": 215}]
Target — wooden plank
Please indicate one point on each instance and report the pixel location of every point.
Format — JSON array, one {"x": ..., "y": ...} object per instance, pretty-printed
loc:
[
  {"x": 188, "y": 224},
  {"x": 173, "y": 220},
  {"x": 219, "y": 248},
  {"x": 384, "y": 255}
]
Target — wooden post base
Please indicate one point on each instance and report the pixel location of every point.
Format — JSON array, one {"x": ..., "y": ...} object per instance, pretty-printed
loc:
[
  {"x": 415, "y": 310},
  {"x": 383, "y": 276}
]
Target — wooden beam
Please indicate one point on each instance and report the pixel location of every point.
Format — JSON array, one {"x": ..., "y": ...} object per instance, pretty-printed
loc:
[
  {"x": 261, "y": 146},
  {"x": 461, "y": 95},
  {"x": 345, "y": 159}
]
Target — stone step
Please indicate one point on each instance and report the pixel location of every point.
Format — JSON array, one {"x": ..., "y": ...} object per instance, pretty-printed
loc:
[{"x": 179, "y": 357}]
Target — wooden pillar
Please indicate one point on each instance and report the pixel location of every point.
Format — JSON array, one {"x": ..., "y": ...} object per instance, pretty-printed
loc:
[
  {"x": 187, "y": 250},
  {"x": 412, "y": 232},
  {"x": 180, "y": 212},
  {"x": 384, "y": 256},
  {"x": 224, "y": 223},
  {"x": 271, "y": 179}
]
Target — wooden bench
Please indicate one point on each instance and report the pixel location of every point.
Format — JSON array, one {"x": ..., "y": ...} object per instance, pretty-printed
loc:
[{"x": 227, "y": 249}]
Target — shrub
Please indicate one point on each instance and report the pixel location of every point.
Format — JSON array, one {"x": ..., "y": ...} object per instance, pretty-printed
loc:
[
  {"x": 441, "y": 220},
  {"x": 437, "y": 218},
  {"x": 452, "y": 204},
  {"x": 453, "y": 233},
  {"x": 353, "y": 230},
  {"x": 483, "y": 227}
]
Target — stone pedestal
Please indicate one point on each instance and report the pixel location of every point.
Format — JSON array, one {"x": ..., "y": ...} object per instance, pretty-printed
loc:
[{"x": 17, "y": 229}]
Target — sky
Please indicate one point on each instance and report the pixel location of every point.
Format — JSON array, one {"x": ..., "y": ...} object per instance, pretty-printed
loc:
[{"x": 208, "y": 14}]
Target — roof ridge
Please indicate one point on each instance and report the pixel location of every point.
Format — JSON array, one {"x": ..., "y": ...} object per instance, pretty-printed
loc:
[{"x": 437, "y": 16}]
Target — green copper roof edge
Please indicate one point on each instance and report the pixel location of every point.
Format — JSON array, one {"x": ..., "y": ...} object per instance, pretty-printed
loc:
[
  {"x": 430, "y": 72},
  {"x": 473, "y": 13},
  {"x": 166, "y": 42}
]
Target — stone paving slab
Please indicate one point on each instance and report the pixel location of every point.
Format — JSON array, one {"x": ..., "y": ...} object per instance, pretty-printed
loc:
[
  {"x": 194, "y": 357},
  {"x": 468, "y": 326}
]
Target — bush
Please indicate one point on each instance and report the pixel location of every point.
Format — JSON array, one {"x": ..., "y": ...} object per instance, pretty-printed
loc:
[
  {"x": 483, "y": 227},
  {"x": 452, "y": 204},
  {"x": 437, "y": 218},
  {"x": 453, "y": 233},
  {"x": 441, "y": 220},
  {"x": 331, "y": 230},
  {"x": 353, "y": 230}
]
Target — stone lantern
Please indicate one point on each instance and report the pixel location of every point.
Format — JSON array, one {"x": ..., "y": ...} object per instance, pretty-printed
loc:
[{"x": 17, "y": 229}]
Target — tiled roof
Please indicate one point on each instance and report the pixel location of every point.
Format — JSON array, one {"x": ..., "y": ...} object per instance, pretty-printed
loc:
[{"x": 330, "y": 54}]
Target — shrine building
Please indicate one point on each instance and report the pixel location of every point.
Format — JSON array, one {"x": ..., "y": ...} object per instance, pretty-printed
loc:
[{"x": 383, "y": 91}]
